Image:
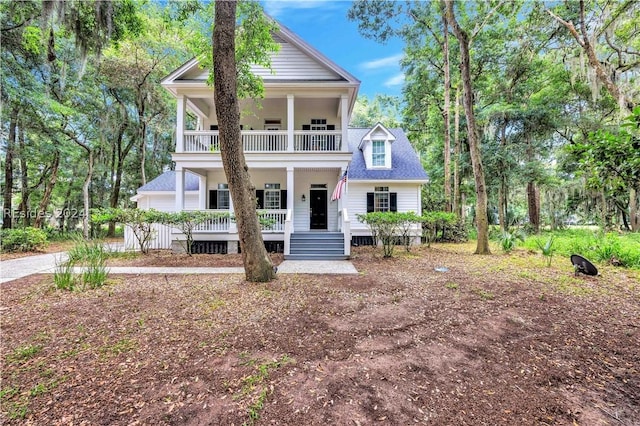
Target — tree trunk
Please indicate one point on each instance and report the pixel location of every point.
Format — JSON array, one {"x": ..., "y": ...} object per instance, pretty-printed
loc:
[
  {"x": 85, "y": 195},
  {"x": 482, "y": 221},
  {"x": 533, "y": 194},
  {"x": 533, "y": 202},
  {"x": 25, "y": 190},
  {"x": 502, "y": 208},
  {"x": 457, "y": 200},
  {"x": 142, "y": 136},
  {"x": 634, "y": 215},
  {"x": 503, "y": 191},
  {"x": 7, "y": 196},
  {"x": 119, "y": 157},
  {"x": 446, "y": 115},
  {"x": 48, "y": 190},
  {"x": 257, "y": 264}
]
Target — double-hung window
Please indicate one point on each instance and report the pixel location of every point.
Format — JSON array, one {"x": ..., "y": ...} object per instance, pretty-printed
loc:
[
  {"x": 272, "y": 196},
  {"x": 378, "y": 153},
  {"x": 219, "y": 198},
  {"x": 223, "y": 196},
  {"x": 381, "y": 199}
]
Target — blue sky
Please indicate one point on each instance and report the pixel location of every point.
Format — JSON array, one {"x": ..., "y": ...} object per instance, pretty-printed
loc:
[{"x": 324, "y": 25}]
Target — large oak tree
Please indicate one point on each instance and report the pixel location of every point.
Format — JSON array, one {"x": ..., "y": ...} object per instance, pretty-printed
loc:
[{"x": 257, "y": 264}]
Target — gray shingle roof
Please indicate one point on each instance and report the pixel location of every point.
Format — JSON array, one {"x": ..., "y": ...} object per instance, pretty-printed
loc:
[
  {"x": 167, "y": 182},
  {"x": 405, "y": 164}
]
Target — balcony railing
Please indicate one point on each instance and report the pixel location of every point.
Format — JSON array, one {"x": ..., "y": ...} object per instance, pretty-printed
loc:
[{"x": 267, "y": 141}]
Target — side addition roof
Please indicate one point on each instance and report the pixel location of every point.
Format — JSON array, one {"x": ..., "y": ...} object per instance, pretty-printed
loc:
[
  {"x": 166, "y": 182},
  {"x": 405, "y": 164}
]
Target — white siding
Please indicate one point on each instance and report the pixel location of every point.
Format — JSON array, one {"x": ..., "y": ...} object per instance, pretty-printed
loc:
[
  {"x": 289, "y": 63},
  {"x": 408, "y": 200},
  {"x": 303, "y": 180},
  {"x": 167, "y": 202}
]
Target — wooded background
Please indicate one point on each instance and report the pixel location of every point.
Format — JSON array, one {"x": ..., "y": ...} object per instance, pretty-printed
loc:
[{"x": 552, "y": 87}]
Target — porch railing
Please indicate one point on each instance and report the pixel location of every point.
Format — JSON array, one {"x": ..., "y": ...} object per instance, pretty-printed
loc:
[
  {"x": 267, "y": 141},
  {"x": 271, "y": 221}
]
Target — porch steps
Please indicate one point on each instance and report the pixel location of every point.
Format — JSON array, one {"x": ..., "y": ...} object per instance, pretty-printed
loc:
[{"x": 316, "y": 246}]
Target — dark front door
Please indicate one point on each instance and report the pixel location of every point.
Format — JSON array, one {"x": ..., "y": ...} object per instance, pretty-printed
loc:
[{"x": 318, "y": 206}]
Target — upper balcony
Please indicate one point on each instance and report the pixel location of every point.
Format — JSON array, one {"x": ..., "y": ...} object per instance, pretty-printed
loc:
[{"x": 265, "y": 141}]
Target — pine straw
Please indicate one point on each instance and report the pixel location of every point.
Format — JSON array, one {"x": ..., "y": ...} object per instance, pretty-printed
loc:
[{"x": 494, "y": 340}]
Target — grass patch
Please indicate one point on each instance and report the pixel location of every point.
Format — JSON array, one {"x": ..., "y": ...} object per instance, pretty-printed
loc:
[
  {"x": 255, "y": 381},
  {"x": 484, "y": 294},
  {"x": 604, "y": 248},
  {"x": 121, "y": 346},
  {"x": 24, "y": 353}
]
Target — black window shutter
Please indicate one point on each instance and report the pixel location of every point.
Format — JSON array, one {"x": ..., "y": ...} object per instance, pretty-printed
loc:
[
  {"x": 393, "y": 201},
  {"x": 260, "y": 198},
  {"x": 213, "y": 199},
  {"x": 306, "y": 127},
  {"x": 331, "y": 126},
  {"x": 370, "y": 207},
  {"x": 283, "y": 199},
  {"x": 213, "y": 127}
]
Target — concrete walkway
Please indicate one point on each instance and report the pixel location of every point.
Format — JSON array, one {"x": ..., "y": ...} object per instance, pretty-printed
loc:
[
  {"x": 46, "y": 263},
  {"x": 23, "y": 267}
]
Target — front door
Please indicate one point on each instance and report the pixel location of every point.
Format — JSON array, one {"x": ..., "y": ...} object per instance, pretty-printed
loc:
[{"x": 318, "y": 206}]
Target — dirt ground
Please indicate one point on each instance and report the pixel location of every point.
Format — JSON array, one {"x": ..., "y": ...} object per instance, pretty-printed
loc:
[{"x": 438, "y": 336}]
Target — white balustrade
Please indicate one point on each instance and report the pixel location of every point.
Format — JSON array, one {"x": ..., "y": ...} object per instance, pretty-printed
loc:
[
  {"x": 266, "y": 141},
  {"x": 317, "y": 140},
  {"x": 273, "y": 220}
]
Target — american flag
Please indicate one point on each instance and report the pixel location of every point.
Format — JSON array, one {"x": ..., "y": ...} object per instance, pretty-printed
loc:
[{"x": 337, "y": 193}]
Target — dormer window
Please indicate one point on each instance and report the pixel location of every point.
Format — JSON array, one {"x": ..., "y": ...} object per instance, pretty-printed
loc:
[
  {"x": 378, "y": 153},
  {"x": 376, "y": 147}
]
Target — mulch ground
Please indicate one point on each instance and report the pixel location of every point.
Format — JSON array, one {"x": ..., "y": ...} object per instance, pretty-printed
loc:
[{"x": 491, "y": 340}]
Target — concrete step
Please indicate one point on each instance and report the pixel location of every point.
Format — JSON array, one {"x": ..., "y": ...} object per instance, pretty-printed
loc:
[{"x": 315, "y": 257}]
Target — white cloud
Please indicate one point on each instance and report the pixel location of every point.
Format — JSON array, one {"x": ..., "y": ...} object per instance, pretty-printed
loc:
[
  {"x": 396, "y": 80},
  {"x": 389, "y": 61}
]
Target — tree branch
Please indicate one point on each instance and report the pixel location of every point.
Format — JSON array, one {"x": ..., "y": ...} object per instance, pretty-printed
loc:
[{"x": 568, "y": 25}]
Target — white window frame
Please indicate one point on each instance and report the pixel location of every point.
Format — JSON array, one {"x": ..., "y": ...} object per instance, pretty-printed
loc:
[
  {"x": 272, "y": 196},
  {"x": 378, "y": 159},
  {"x": 381, "y": 196},
  {"x": 223, "y": 195}
]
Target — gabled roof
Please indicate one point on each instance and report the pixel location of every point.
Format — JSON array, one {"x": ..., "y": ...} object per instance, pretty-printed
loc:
[
  {"x": 317, "y": 66},
  {"x": 166, "y": 182},
  {"x": 377, "y": 131},
  {"x": 404, "y": 160}
]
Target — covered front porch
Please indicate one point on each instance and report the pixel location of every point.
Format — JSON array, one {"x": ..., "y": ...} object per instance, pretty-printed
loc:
[{"x": 289, "y": 199}]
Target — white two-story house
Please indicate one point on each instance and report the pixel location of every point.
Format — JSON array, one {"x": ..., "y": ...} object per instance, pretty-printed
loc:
[{"x": 297, "y": 145}]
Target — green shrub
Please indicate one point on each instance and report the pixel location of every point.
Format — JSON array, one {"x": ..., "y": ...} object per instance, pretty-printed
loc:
[
  {"x": 546, "y": 249},
  {"x": 508, "y": 240},
  {"x": 442, "y": 227},
  {"x": 23, "y": 239},
  {"x": 92, "y": 255},
  {"x": 63, "y": 276}
]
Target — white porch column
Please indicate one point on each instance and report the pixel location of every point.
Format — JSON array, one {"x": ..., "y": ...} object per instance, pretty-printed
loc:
[
  {"x": 290, "y": 189},
  {"x": 179, "y": 190},
  {"x": 233, "y": 226},
  {"x": 344, "y": 121},
  {"x": 202, "y": 192},
  {"x": 290, "y": 123},
  {"x": 180, "y": 114}
]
